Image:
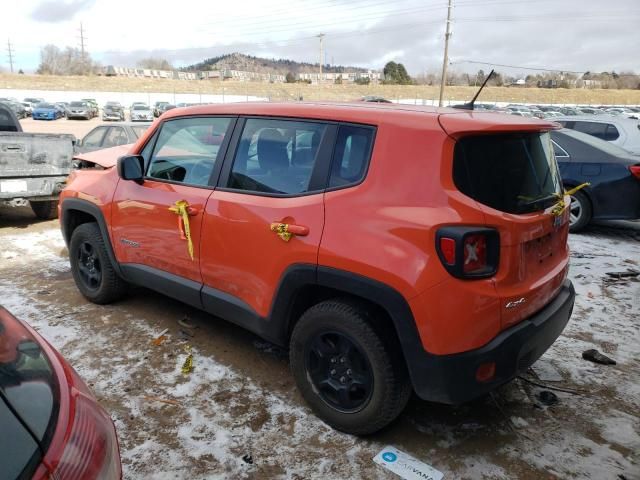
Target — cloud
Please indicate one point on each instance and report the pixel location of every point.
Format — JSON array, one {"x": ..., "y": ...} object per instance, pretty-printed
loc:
[{"x": 53, "y": 11}]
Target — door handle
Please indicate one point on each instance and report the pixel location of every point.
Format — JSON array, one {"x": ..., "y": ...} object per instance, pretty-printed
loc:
[{"x": 286, "y": 230}]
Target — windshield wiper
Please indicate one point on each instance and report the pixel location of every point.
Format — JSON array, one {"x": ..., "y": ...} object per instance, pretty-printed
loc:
[{"x": 525, "y": 203}]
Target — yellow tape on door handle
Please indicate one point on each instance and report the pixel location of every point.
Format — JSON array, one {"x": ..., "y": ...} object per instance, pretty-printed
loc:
[{"x": 181, "y": 208}]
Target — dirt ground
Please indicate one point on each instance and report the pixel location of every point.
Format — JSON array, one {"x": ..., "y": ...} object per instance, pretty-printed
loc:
[
  {"x": 241, "y": 401},
  {"x": 79, "y": 128}
]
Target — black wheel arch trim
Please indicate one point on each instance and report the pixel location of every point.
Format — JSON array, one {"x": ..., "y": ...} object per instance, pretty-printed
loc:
[{"x": 84, "y": 206}]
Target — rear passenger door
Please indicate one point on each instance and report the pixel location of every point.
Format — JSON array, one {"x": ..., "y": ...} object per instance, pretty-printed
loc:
[{"x": 267, "y": 212}]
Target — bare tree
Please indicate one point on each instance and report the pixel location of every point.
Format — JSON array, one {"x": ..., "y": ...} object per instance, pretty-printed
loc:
[{"x": 154, "y": 64}]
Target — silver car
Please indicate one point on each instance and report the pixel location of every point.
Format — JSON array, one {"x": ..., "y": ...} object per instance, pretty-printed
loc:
[
  {"x": 107, "y": 136},
  {"x": 80, "y": 110},
  {"x": 141, "y": 113},
  {"x": 619, "y": 130}
]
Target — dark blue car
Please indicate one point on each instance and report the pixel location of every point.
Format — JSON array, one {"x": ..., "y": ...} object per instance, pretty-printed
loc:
[
  {"x": 614, "y": 175},
  {"x": 46, "y": 111}
]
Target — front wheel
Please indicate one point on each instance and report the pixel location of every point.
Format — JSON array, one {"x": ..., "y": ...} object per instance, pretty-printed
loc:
[
  {"x": 91, "y": 267},
  {"x": 580, "y": 212},
  {"x": 353, "y": 379}
]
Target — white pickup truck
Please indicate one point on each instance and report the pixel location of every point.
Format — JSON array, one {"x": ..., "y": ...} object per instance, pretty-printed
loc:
[{"x": 33, "y": 166}]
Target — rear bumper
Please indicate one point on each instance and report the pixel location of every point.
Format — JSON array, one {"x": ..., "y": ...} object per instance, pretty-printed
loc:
[{"x": 451, "y": 379}]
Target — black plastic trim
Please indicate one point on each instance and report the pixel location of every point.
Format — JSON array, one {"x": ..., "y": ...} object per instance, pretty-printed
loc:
[
  {"x": 70, "y": 204},
  {"x": 174, "y": 286},
  {"x": 459, "y": 233}
]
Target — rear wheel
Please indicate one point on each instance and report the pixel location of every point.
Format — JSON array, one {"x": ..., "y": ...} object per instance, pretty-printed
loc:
[
  {"x": 345, "y": 370},
  {"x": 580, "y": 212},
  {"x": 91, "y": 267},
  {"x": 45, "y": 210}
]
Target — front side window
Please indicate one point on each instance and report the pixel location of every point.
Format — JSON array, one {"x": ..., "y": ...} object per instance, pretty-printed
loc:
[
  {"x": 188, "y": 149},
  {"x": 276, "y": 156},
  {"x": 351, "y": 155}
]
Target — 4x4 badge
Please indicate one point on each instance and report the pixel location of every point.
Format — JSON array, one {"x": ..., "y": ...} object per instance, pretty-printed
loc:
[{"x": 516, "y": 303}]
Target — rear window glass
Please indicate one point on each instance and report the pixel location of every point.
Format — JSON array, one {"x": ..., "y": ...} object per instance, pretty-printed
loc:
[{"x": 513, "y": 173}]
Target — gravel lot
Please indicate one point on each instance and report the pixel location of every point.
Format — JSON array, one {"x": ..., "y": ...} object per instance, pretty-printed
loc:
[
  {"x": 240, "y": 399},
  {"x": 79, "y": 128}
]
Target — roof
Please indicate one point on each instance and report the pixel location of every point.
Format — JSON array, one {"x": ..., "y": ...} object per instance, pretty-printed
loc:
[{"x": 369, "y": 113}]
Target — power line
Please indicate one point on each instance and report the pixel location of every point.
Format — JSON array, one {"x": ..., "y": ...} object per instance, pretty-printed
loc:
[
  {"x": 538, "y": 69},
  {"x": 10, "y": 53}
]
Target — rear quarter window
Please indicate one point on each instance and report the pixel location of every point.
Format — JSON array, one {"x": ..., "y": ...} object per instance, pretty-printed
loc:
[{"x": 351, "y": 155}]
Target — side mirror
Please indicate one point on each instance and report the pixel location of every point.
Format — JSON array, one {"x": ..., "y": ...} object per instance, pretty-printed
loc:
[{"x": 131, "y": 167}]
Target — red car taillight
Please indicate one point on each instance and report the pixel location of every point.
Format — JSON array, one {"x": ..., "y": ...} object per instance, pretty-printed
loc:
[
  {"x": 635, "y": 171},
  {"x": 469, "y": 252},
  {"x": 91, "y": 451}
]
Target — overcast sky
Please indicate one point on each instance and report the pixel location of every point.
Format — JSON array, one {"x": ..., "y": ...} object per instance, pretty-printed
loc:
[{"x": 573, "y": 35}]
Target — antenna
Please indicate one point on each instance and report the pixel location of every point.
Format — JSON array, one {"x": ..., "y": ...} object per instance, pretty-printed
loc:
[{"x": 469, "y": 106}]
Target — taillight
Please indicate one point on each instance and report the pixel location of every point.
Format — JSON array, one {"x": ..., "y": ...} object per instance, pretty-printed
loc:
[
  {"x": 635, "y": 171},
  {"x": 91, "y": 451},
  {"x": 469, "y": 252}
]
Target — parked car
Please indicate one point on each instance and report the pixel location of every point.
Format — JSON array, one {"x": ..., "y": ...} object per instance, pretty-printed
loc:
[
  {"x": 113, "y": 111},
  {"x": 141, "y": 113},
  {"x": 51, "y": 425},
  {"x": 519, "y": 110},
  {"x": 46, "y": 111},
  {"x": 93, "y": 104},
  {"x": 448, "y": 284},
  {"x": 63, "y": 106},
  {"x": 374, "y": 99},
  {"x": 622, "y": 111},
  {"x": 165, "y": 108},
  {"x": 591, "y": 111},
  {"x": 621, "y": 131},
  {"x": 28, "y": 108},
  {"x": 106, "y": 136},
  {"x": 158, "y": 108},
  {"x": 613, "y": 174},
  {"x": 80, "y": 110}
]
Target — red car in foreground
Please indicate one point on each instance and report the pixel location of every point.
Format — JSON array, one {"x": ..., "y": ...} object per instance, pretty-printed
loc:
[{"x": 50, "y": 424}]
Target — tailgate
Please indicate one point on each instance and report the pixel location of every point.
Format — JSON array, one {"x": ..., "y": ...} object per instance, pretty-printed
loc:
[
  {"x": 35, "y": 154},
  {"x": 513, "y": 177}
]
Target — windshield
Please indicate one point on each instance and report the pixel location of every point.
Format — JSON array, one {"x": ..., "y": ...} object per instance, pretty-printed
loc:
[
  {"x": 513, "y": 173},
  {"x": 45, "y": 105},
  {"x": 138, "y": 130},
  {"x": 78, "y": 104},
  {"x": 140, "y": 107}
]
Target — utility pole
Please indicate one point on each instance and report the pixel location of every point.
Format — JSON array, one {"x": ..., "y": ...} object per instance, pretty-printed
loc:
[
  {"x": 321, "y": 37},
  {"x": 10, "y": 53},
  {"x": 445, "y": 60},
  {"x": 82, "y": 52}
]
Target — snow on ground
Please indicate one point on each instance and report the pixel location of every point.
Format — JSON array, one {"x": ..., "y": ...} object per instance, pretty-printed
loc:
[{"x": 240, "y": 399}]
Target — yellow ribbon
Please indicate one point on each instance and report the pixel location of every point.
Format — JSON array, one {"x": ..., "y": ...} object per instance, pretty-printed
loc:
[
  {"x": 187, "y": 366},
  {"x": 181, "y": 208},
  {"x": 559, "y": 207}
]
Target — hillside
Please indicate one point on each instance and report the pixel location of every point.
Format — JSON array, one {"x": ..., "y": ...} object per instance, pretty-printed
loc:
[{"x": 239, "y": 61}]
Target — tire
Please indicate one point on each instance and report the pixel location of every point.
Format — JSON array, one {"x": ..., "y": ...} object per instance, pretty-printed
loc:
[
  {"x": 45, "y": 210},
  {"x": 359, "y": 384},
  {"x": 91, "y": 267},
  {"x": 581, "y": 212}
]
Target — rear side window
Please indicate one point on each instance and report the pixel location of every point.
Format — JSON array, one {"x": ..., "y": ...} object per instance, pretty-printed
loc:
[
  {"x": 513, "y": 173},
  {"x": 351, "y": 155},
  {"x": 604, "y": 131},
  {"x": 276, "y": 156}
]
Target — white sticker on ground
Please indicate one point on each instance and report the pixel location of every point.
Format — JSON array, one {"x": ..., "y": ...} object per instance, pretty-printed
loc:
[{"x": 405, "y": 465}]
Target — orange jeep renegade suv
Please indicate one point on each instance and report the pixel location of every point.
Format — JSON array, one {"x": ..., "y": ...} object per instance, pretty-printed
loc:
[{"x": 390, "y": 248}]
